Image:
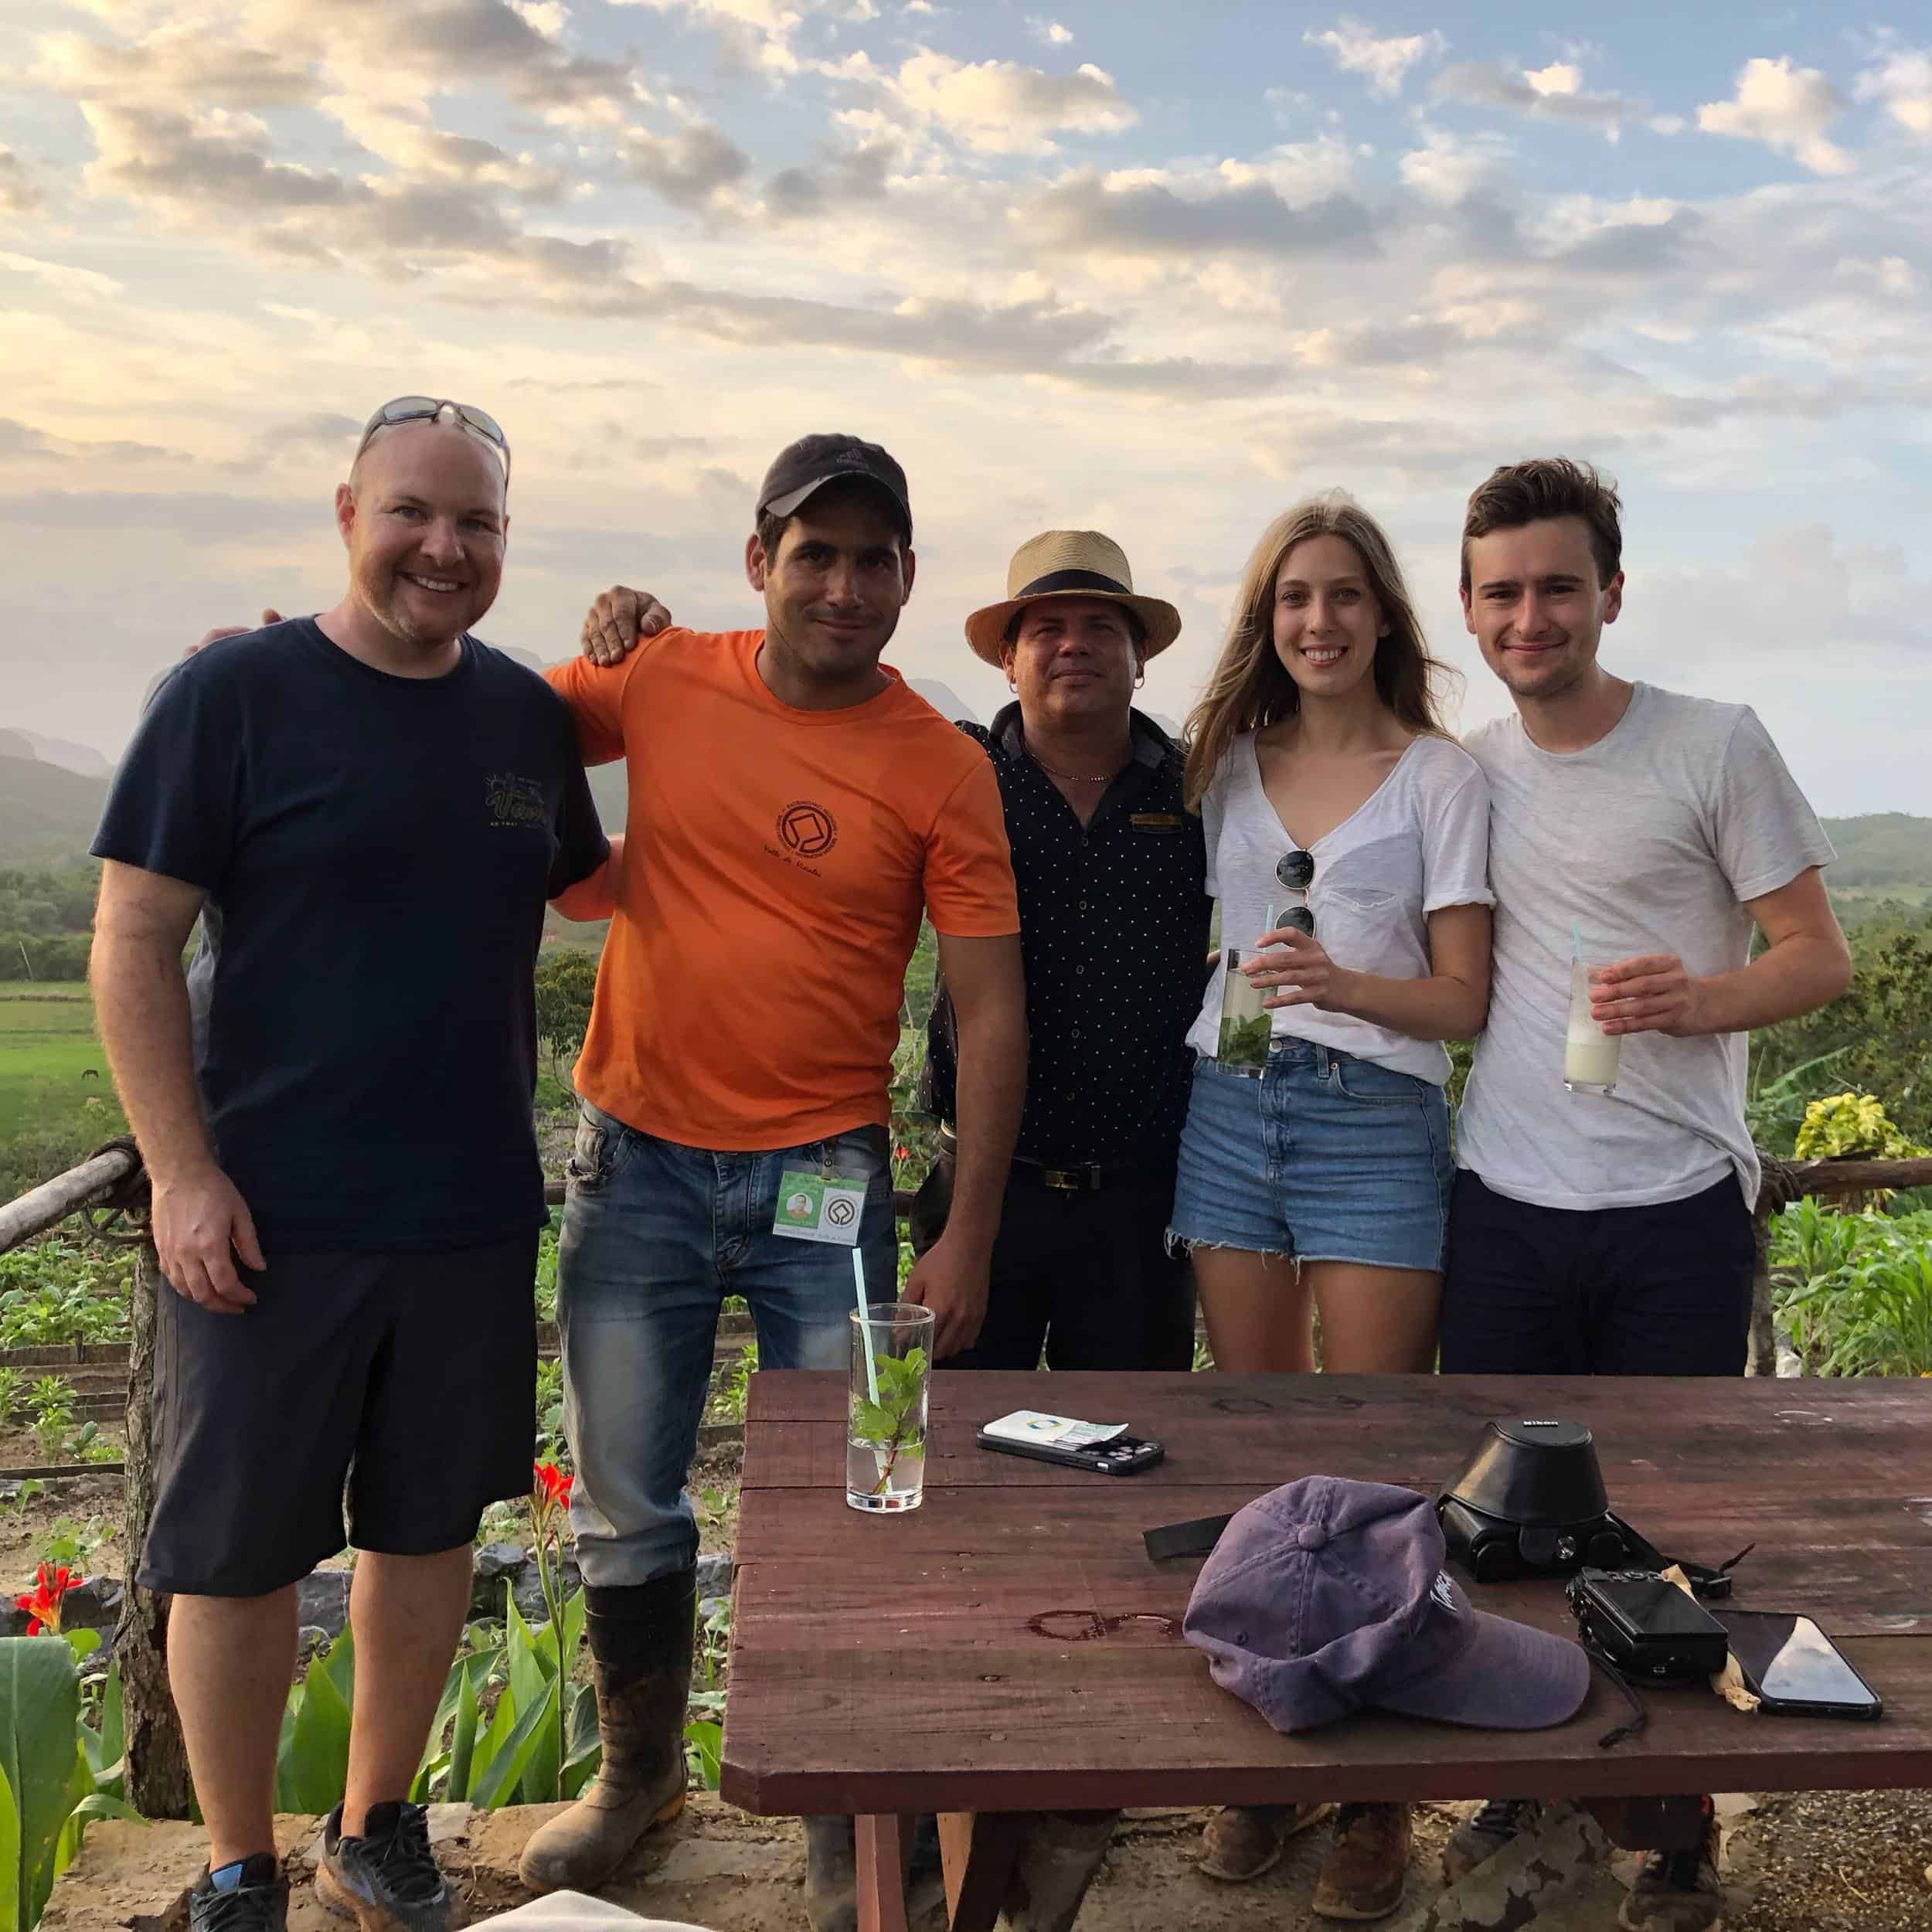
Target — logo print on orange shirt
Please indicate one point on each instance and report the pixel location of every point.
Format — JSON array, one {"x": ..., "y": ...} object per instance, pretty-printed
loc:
[{"x": 808, "y": 830}]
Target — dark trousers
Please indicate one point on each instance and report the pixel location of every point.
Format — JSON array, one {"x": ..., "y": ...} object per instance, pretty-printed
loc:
[
  {"x": 1663, "y": 1290},
  {"x": 1086, "y": 1276}
]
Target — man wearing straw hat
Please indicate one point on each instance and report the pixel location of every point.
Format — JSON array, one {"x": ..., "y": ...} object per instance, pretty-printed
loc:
[{"x": 1114, "y": 926}]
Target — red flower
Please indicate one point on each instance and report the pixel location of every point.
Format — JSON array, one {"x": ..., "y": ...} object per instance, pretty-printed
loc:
[
  {"x": 549, "y": 1497},
  {"x": 51, "y": 1584}
]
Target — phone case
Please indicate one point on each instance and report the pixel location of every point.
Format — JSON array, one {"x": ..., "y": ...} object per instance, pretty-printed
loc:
[
  {"x": 1796, "y": 1707},
  {"x": 1125, "y": 1456}
]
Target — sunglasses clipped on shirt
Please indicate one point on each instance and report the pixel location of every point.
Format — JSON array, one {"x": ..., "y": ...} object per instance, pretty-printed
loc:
[
  {"x": 1295, "y": 870},
  {"x": 429, "y": 409}
]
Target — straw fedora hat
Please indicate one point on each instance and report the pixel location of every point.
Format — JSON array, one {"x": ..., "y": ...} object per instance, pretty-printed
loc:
[{"x": 1070, "y": 563}]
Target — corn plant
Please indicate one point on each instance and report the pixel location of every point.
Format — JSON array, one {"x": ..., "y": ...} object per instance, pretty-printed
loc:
[{"x": 1856, "y": 1289}]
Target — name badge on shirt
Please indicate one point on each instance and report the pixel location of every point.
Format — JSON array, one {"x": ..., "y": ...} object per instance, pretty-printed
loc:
[
  {"x": 1155, "y": 821},
  {"x": 819, "y": 1207}
]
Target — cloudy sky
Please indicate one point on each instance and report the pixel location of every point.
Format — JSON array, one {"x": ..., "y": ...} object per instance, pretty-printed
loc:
[{"x": 1153, "y": 268}]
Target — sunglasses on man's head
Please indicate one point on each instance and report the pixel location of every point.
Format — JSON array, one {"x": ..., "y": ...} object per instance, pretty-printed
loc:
[
  {"x": 429, "y": 409},
  {"x": 1295, "y": 870}
]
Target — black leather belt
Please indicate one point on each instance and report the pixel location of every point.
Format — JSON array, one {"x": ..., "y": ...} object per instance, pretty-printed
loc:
[{"x": 1083, "y": 1177}]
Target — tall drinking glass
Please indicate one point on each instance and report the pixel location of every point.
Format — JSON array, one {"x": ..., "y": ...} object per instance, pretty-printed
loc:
[
  {"x": 892, "y": 1354},
  {"x": 1246, "y": 1025},
  {"x": 1590, "y": 1054}
]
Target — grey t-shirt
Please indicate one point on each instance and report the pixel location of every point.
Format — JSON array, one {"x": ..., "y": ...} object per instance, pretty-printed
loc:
[{"x": 1649, "y": 839}]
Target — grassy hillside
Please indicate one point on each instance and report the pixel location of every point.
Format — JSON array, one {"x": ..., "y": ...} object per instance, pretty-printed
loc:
[
  {"x": 46, "y": 811},
  {"x": 1881, "y": 855}
]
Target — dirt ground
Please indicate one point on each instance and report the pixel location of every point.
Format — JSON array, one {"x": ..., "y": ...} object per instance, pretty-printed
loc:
[{"x": 1818, "y": 1862}]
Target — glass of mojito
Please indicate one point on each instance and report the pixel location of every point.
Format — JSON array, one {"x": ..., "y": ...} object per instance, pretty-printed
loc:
[
  {"x": 892, "y": 1354},
  {"x": 1242, "y": 1045}
]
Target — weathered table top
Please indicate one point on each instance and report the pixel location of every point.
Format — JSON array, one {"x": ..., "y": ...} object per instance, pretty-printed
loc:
[{"x": 1010, "y": 1646}]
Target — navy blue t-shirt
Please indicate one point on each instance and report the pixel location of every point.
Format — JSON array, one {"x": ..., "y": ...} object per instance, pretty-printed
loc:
[{"x": 377, "y": 852}]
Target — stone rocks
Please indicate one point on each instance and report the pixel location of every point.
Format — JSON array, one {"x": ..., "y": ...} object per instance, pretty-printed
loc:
[{"x": 321, "y": 1600}]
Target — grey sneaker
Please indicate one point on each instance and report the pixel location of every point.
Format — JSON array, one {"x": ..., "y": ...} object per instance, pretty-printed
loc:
[
  {"x": 259, "y": 1903},
  {"x": 387, "y": 1880}
]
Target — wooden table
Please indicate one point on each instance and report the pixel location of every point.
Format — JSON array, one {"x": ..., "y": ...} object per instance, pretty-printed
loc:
[{"x": 1010, "y": 1646}]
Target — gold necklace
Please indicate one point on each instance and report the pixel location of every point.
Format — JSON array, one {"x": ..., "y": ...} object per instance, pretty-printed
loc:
[
  {"x": 1076, "y": 777},
  {"x": 1072, "y": 777}
]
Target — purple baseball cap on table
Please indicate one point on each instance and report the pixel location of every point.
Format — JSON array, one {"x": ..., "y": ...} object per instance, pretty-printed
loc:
[{"x": 1326, "y": 1597}]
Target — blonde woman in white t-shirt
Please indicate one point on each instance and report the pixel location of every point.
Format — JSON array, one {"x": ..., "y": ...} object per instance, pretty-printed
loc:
[{"x": 1314, "y": 1169}]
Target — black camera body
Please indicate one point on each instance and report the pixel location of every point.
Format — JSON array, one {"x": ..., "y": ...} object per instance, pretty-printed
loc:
[
  {"x": 1493, "y": 1549},
  {"x": 1532, "y": 1503},
  {"x": 1646, "y": 1626}
]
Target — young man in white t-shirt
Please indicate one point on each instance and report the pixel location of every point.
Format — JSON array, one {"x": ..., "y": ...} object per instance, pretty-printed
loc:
[{"x": 1611, "y": 1234}]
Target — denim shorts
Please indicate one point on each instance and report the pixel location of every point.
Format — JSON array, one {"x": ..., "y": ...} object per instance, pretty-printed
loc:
[{"x": 1325, "y": 1157}]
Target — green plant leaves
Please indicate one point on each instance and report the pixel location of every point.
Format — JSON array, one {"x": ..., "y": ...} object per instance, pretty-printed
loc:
[
  {"x": 312, "y": 1766},
  {"x": 704, "y": 1749},
  {"x": 40, "y": 1714}
]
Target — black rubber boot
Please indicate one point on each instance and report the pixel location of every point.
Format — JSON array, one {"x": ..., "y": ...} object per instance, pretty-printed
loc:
[{"x": 640, "y": 1637}]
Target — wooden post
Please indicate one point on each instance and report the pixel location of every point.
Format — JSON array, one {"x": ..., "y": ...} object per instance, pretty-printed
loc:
[{"x": 158, "y": 1782}]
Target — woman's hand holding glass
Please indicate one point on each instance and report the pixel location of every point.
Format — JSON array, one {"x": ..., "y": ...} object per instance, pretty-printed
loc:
[{"x": 1290, "y": 965}]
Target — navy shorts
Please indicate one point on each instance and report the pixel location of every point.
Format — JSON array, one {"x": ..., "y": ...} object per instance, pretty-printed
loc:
[
  {"x": 1324, "y": 1156},
  {"x": 397, "y": 1391}
]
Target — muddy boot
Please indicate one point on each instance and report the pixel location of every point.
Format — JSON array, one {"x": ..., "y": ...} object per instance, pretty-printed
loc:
[
  {"x": 1244, "y": 1841},
  {"x": 1678, "y": 1891},
  {"x": 1366, "y": 1867},
  {"x": 641, "y": 1642},
  {"x": 1478, "y": 1840},
  {"x": 1059, "y": 1859}
]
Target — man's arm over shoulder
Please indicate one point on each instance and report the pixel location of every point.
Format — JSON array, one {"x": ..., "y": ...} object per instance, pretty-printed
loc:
[{"x": 594, "y": 695}]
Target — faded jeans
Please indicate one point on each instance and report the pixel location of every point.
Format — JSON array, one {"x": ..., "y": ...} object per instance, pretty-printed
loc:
[{"x": 655, "y": 1235}]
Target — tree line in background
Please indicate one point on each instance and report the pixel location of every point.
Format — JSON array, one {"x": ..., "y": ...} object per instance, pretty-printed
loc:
[
  {"x": 46, "y": 919},
  {"x": 1876, "y": 1040}
]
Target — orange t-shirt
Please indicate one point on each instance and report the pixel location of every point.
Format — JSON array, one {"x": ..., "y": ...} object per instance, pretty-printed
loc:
[{"x": 773, "y": 877}]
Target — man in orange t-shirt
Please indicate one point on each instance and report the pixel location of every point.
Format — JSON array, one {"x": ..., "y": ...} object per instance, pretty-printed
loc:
[{"x": 794, "y": 808}]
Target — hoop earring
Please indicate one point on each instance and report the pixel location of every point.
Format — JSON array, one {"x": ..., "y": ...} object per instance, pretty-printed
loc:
[{"x": 1140, "y": 679}]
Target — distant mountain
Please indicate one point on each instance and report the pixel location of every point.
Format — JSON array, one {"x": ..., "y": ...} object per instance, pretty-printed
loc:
[
  {"x": 46, "y": 811},
  {"x": 1881, "y": 855},
  {"x": 60, "y": 751}
]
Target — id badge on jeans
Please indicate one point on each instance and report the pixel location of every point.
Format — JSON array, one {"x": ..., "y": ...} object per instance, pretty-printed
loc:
[{"x": 819, "y": 1207}]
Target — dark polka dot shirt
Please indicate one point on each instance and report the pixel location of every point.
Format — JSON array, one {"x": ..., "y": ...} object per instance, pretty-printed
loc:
[{"x": 1114, "y": 930}]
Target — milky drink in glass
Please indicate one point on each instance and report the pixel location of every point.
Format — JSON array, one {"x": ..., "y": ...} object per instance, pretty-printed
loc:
[
  {"x": 892, "y": 1353},
  {"x": 1590, "y": 1054}
]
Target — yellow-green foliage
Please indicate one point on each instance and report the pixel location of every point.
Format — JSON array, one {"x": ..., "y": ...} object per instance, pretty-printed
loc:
[{"x": 1852, "y": 1124}]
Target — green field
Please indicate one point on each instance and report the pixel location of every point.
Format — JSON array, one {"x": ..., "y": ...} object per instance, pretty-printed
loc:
[{"x": 47, "y": 1047}]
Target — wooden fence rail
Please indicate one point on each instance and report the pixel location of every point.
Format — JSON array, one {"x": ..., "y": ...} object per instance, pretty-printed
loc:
[{"x": 157, "y": 1778}]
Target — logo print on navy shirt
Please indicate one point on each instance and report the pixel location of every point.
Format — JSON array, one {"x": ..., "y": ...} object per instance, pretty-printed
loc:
[
  {"x": 807, "y": 829},
  {"x": 514, "y": 800}
]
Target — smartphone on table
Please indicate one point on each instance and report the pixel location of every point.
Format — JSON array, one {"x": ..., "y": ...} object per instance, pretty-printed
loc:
[
  {"x": 1794, "y": 1668},
  {"x": 1103, "y": 1448}
]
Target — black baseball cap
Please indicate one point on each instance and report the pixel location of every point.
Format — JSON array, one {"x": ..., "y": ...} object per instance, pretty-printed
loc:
[{"x": 806, "y": 466}]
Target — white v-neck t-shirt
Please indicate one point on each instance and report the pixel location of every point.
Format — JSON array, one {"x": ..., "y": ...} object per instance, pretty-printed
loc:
[{"x": 1419, "y": 842}]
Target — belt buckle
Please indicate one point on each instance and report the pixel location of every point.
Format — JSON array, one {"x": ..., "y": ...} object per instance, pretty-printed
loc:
[{"x": 1068, "y": 1180}]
